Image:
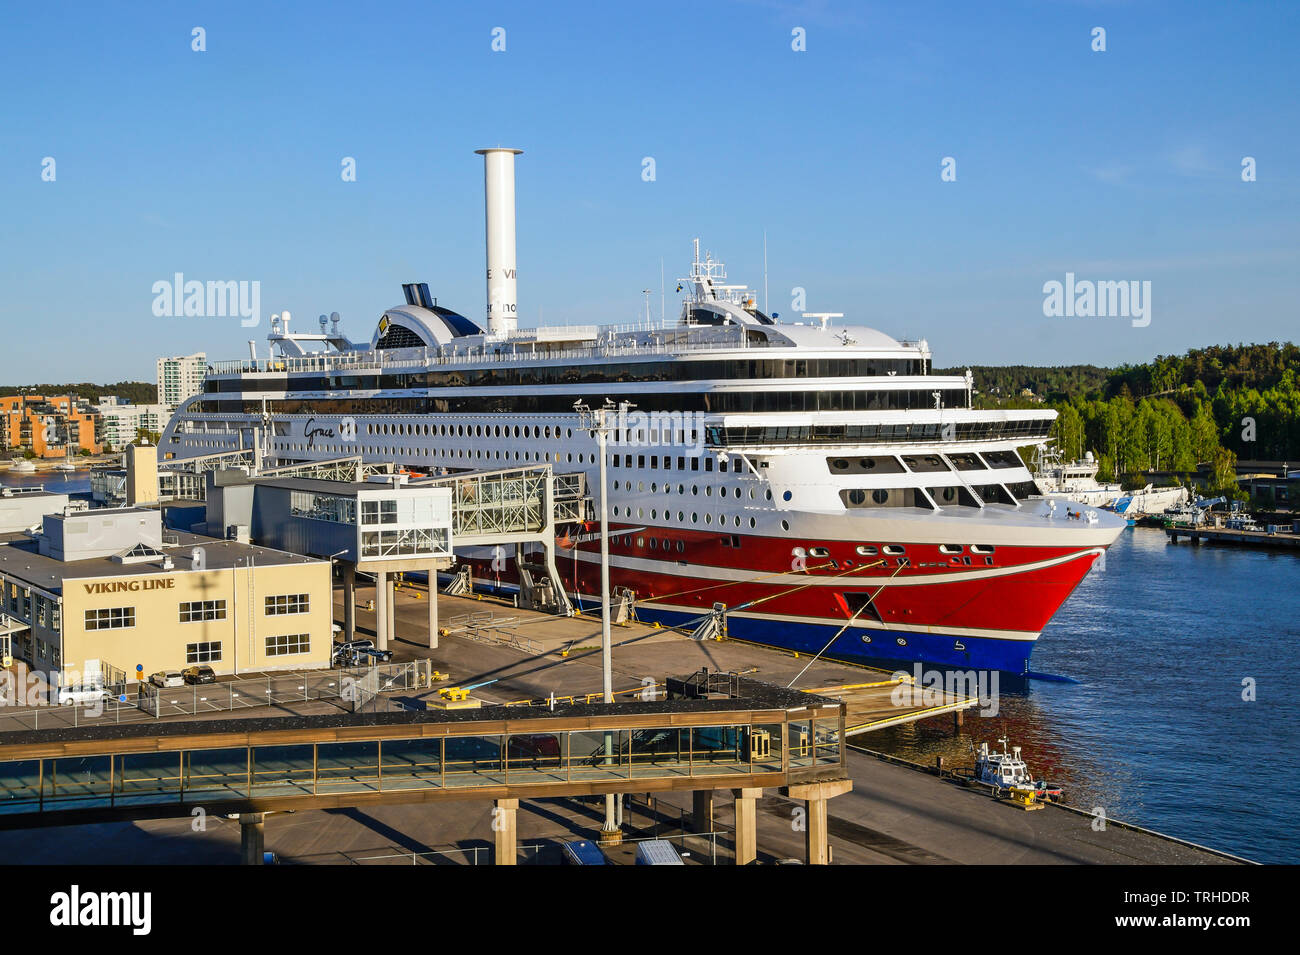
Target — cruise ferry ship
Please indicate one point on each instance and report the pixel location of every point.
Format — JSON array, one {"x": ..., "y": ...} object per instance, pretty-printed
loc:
[{"x": 812, "y": 477}]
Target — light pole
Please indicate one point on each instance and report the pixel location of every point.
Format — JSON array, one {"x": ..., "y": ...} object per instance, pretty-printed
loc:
[{"x": 597, "y": 422}]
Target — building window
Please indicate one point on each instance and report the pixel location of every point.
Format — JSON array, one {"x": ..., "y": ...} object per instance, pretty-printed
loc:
[
  {"x": 196, "y": 610},
  {"x": 110, "y": 618},
  {"x": 209, "y": 652},
  {"x": 288, "y": 644},
  {"x": 287, "y": 603}
]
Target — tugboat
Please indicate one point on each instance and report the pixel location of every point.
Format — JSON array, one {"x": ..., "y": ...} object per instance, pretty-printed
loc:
[{"x": 1006, "y": 772}]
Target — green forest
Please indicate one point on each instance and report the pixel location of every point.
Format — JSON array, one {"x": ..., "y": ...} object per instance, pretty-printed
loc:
[
  {"x": 1209, "y": 407},
  {"x": 134, "y": 392}
]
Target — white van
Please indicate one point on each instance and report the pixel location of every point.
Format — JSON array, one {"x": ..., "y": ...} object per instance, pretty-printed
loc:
[{"x": 81, "y": 693}]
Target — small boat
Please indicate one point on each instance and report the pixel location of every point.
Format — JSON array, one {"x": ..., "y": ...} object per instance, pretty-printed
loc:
[
  {"x": 22, "y": 466},
  {"x": 65, "y": 466},
  {"x": 1007, "y": 771}
]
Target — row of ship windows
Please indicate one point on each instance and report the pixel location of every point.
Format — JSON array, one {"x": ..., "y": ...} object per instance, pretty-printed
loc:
[
  {"x": 924, "y": 463},
  {"x": 579, "y": 373},
  {"x": 932, "y": 497},
  {"x": 717, "y": 402},
  {"x": 723, "y": 490},
  {"x": 955, "y": 552},
  {"x": 722, "y": 519}
]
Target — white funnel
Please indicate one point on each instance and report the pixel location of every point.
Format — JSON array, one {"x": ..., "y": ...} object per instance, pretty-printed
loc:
[{"x": 499, "y": 189}]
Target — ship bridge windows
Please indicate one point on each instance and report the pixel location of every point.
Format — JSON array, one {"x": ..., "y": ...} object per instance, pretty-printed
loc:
[
  {"x": 952, "y": 495},
  {"x": 856, "y": 497},
  {"x": 880, "y": 464}
]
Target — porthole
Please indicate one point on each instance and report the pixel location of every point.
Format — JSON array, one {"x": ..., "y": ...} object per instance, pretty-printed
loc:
[
  {"x": 681, "y": 547},
  {"x": 840, "y": 464},
  {"x": 708, "y": 490},
  {"x": 894, "y": 550},
  {"x": 654, "y": 514},
  {"x": 901, "y": 641},
  {"x": 857, "y": 497},
  {"x": 654, "y": 487},
  {"x": 950, "y": 549},
  {"x": 753, "y": 522},
  {"x": 695, "y": 518},
  {"x": 819, "y": 552},
  {"x": 786, "y": 496},
  {"x": 880, "y": 495},
  {"x": 785, "y": 525},
  {"x": 640, "y": 542},
  {"x": 654, "y": 544},
  {"x": 866, "y": 550},
  {"x": 982, "y": 548}
]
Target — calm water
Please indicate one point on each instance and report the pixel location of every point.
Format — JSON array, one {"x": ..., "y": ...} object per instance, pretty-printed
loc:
[{"x": 1156, "y": 731}]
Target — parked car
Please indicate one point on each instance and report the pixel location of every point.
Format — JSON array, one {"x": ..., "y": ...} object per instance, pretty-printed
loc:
[
  {"x": 166, "y": 679},
  {"x": 199, "y": 674},
  {"x": 382, "y": 656},
  {"x": 582, "y": 853},
  {"x": 81, "y": 693},
  {"x": 657, "y": 852}
]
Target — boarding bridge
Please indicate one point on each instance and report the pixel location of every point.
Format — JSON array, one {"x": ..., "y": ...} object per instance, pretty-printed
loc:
[
  {"x": 518, "y": 506},
  {"x": 752, "y": 737}
]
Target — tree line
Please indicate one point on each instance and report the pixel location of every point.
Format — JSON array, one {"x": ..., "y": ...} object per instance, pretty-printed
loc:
[{"x": 1179, "y": 413}]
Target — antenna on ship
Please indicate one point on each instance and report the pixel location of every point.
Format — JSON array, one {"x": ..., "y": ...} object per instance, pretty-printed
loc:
[{"x": 765, "y": 302}]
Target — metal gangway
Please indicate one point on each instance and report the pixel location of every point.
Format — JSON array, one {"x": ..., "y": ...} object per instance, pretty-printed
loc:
[{"x": 518, "y": 506}]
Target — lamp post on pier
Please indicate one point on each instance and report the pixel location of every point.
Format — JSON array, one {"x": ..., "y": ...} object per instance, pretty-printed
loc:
[{"x": 598, "y": 423}]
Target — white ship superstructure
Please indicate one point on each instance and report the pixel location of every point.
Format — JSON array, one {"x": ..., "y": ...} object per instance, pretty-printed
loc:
[{"x": 815, "y": 468}]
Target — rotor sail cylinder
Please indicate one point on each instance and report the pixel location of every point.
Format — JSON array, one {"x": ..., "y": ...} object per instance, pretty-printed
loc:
[{"x": 499, "y": 196}]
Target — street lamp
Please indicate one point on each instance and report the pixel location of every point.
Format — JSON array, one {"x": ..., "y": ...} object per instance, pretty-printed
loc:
[{"x": 598, "y": 424}]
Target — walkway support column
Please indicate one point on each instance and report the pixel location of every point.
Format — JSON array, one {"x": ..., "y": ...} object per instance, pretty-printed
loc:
[
  {"x": 815, "y": 796},
  {"x": 381, "y": 610},
  {"x": 433, "y": 606},
  {"x": 746, "y": 819},
  {"x": 350, "y": 602},
  {"x": 702, "y": 819},
  {"x": 503, "y": 829},
  {"x": 252, "y": 837},
  {"x": 391, "y": 608}
]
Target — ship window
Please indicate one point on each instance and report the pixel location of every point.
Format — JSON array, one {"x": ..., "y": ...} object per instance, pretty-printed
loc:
[
  {"x": 895, "y": 549},
  {"x": 785, "y": 525},
  {"x": 982, "y": 548},
  {"x": 1024, "y": 489},
  {"x": 695, "y": 464},
  {"x": 819, "y": 552},
  {"x": 950, "y": 549},
  {"x": 953, "y": 496},
  {"x": 1002, "y": 459},
  {"x": 994, "y": 494},
  {"x": 866, "y": 550},
  {"x": 923, "y": 463},
  {"x": 786, "y": 496}
]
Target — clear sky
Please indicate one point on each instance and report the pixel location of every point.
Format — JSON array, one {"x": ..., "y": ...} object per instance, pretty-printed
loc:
[{"x": 225, "y": 165}]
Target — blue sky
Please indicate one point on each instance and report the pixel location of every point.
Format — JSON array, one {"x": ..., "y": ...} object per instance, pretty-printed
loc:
[{"x": 225, "y": 164}]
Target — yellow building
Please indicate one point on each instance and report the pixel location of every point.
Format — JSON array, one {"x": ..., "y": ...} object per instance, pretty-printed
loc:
[{"x": 103, "y": 591}]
